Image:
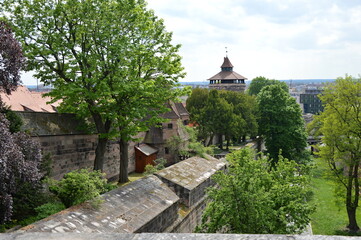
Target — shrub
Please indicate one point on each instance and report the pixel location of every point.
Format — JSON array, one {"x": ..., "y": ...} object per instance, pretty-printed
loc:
[
  {"x": 79, "y": 186},
  {"x": 48, "y": 209},
  {"x": 159, "y": 165}
]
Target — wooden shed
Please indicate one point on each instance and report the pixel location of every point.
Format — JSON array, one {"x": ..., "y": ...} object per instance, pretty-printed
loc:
[{"x": 144, "y": 154}]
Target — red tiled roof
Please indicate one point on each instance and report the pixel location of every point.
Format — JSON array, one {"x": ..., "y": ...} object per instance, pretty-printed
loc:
[
  {"x": 226, "y": 63},
  {"x": 227, "y": 75},
  {"x": 23, "y": 100}
]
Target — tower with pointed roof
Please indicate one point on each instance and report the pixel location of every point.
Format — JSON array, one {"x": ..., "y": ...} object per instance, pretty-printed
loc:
[{"x": 227, "y": 79}]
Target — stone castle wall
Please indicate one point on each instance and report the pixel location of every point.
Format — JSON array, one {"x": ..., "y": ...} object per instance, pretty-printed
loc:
[
  {"x": 146, "y": 205},
  {"x": 72, "y": 152},
  {"x": 236, "y": 87}
]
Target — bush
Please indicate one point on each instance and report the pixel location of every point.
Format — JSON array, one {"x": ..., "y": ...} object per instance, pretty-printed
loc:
[
  {"x": 79, "y": 186},
  {"x": 48, "y": 209},
  {"x": 159, "y": 165}
]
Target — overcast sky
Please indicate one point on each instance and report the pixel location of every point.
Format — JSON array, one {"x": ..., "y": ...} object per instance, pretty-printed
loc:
[{"x": 280, "y": 39}]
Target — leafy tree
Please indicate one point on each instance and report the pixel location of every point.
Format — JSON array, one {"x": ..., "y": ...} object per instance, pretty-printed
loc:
[
  {"x": 251, "y": 198},
  {"x": 209, "y": 110},
  {"x": 216, "y": 116},
  {"x": 19, "y": 161},
  {"x": 11, "y": 58},
  {"x": 19, "y": 155},
  {"x": 111, "y": 60},
  {"x": 246, "y": 110},
  {"x": 14, "y": 120},
  {"x": 259, "y": 82},
  {"x": 281, "y": 124},
  {"x": 340, "y": 127}
]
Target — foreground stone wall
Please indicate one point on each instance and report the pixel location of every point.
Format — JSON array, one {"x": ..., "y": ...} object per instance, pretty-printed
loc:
[
  {"x": 163, "y": 236},
  {"x": 146, "y": 205},
  {"x": 149, "y": 204},
  {"x": 190, "y": 178}
]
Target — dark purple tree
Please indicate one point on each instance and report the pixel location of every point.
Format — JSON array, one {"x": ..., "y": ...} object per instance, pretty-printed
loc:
[
  {"x": 11, "y": 59},
  {"x": 20, "y": 156},
  {"x": 19, "y": 161}
]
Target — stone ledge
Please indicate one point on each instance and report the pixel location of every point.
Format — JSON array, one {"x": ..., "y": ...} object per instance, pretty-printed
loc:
[{"x": 162, "y": 236}]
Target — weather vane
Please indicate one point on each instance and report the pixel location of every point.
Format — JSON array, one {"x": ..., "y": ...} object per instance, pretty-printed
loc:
[{"x": 226, "y": 52}]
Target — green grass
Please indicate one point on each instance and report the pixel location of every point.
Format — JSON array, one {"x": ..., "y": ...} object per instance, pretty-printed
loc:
[
  {"x": 132, "y": 177},
  {"x": 329, "y": 219}
]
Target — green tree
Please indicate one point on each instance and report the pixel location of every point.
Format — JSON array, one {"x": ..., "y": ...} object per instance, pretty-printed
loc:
[
  {"x": 216, "y": 116},
  {"x": 340, "y": 127},
  {"x": 237, "y": 125},
  {"x": 245, "y": 110},
  {"x": 251, "y": 198},
  {"x": 259, "y": 82},
  {"x": 110, "y": 60},
  {"x": 281, "y": 124}
]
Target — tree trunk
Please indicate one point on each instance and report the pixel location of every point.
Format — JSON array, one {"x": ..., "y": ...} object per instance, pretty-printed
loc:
[
  {"x": 123, "y": 168},
  {"x": 259, "y": 143},
  {"x": 210, "y": 140},
  {"x": 99, "y": 153},
  {"x": 220, "y": 140},
  {"x": 102, "y": 127},
  {"x": 352, "y": 199},
  {"x": 351, "y": 213}
]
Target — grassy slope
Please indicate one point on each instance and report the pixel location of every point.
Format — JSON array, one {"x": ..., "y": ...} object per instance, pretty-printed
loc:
[{"x": 328, "y": 218}]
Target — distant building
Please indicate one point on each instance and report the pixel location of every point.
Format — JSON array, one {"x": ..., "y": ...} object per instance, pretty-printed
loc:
[
  {"x": 311, "y": 102},
  {"x": 227, "y": 79}
]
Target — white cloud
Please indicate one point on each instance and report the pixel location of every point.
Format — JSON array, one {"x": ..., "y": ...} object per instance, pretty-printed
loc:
[{"x": 279, "y": 39}]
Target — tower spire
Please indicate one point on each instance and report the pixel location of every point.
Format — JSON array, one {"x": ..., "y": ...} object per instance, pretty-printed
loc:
[{"x": 226, "y": 51}]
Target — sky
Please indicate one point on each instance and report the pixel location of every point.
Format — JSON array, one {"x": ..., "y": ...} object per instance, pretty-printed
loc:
[{"x": 277, "y": 39}]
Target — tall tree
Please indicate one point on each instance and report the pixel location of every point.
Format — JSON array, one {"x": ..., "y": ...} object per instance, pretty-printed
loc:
[
  {"x": 217, "y": 116},
  {"x": 281, "y": 124},
  {"x": 251, "y": 197},
  {"x": 19, "y": 155},
  {"x": 340, "y": 127},
  {"x": 111, "y": 60},
  {"x": 259, "y": 82},
  {"x": 11, "y": 58},
  {"x": 245, "y": 110}
]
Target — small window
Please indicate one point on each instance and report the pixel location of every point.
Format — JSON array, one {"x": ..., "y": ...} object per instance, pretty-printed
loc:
[
  {"x": 166, "y": 150},
  {"x": 185, "y": 122},
  {"x": 170, "y": 125}
]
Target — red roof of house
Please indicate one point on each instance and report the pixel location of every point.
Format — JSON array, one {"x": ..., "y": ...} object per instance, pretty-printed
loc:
[{"x": 24, "y": 100}]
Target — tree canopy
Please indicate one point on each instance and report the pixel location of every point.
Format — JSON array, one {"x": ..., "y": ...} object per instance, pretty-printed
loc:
[
  {"x": 259, "y": 82},
  {"x": 111, "y": 60},
  {"x": 251, "y": 197},
  {"x": 11, "y": 58},
  {"x": 281, "y": 124},
  {"x": 340, "y": 127},
  {"x": 223, "y": 113}
]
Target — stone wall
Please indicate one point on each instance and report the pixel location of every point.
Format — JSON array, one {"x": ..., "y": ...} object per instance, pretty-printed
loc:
[
  {"x": 236, "y": 87},
  {"x": 192, "y": 217},
  {"x": 163, "y": 236},
  {"x": 146, "y": 205},
  {"x": 71, "y": 152}
]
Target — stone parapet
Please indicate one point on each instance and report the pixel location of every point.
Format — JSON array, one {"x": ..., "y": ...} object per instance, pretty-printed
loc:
[
  {"x": 163, "y": 236},
  {"x": 190, "y": 178},
  {"x": 146, "y": 205}
]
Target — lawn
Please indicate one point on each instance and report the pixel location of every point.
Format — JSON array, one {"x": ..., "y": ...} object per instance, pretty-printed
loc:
[{"x": 328, "y": 219}]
